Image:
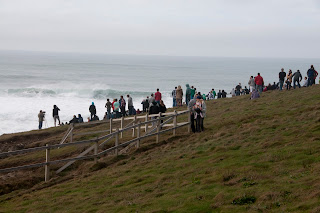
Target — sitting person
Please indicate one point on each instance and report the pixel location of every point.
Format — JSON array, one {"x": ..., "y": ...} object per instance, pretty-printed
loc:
[
  {"x": 305, "y": 83},
  {"x": 74, "y": 120},
  {"x": 138, "y": 111},
  {"x": 95, "y": 118},
  {"x": 255, "y": 94},
  {"x": 80, "y": 119}
]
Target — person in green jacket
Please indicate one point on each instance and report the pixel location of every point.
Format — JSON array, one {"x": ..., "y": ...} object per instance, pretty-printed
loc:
[
  {"x": 214, "y": 94},
  {"x": 192, "y": 92},
  {"x": 204, "y": 97}
]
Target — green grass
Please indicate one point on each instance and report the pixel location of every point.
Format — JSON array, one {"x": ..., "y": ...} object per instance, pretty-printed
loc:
[{"x": 255, "y": 156}]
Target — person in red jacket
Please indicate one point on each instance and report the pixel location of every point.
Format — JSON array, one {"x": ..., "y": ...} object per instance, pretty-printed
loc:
[
  {"x": 259, "y": 82},
  {"x": 157, "y": 96}
]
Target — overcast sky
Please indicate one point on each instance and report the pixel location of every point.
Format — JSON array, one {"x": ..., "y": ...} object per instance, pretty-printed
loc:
[{"x": 231, "y": 28}]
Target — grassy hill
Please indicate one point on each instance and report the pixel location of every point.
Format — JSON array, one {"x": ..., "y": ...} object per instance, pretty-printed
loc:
[{"x": 254, "y": 156}]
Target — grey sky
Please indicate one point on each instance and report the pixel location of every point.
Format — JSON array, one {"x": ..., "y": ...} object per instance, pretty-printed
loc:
[{"x": 269, "y": 28}]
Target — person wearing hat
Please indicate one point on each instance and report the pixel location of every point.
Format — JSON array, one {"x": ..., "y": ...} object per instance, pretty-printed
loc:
[{"x": 92, "y": 110}]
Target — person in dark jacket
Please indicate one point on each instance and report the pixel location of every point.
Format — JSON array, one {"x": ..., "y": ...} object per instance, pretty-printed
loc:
[
  {"x": 74, "y": 120},
  {"x": 80, "y": 118},
  {"x": 92, "y": 110},
  {"x": 188, "y": 93},
  {"x": 297, "y": 77},
  {"x": 154, "y": 109},
  {"x": 122, "y": 103},
  {"x": 223, "y": 94},
  {"x": 219, "y": 94},
  {"x": 162, "y": 107},
  {"x": 310, "y": 74},
  {"x": 282, "y": 76},
  {"x": 55, "y": 114}
]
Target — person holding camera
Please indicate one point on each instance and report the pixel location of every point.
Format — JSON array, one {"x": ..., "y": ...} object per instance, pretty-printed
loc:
[{"x": 41, "y": 118}]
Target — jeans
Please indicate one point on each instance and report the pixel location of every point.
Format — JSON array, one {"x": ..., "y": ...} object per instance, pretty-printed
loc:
[
  {"x": 294, "y": 84},
  {"x": 123, "y": 110},
  {"x": 259, "y": 88},
  {"x": 174, "y": 104},
  {"x": 40, "y": 124},
  {"x": 130, "y": 110},
  {"x": 288, "y": 85},
  {"x": 310, "y": 81},
  {"x": 187, "y": 100},
  {"x": 280, "y": 85},
  {"x": 199, "y": 124},
  {"x": 192, "y": 123}
]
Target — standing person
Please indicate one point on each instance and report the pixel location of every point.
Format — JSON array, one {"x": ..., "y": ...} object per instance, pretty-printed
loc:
[
  {"x": 259, "y": 82},
  {"x": 130, "y": 105},
  {"x": 233, "y": 92},
  {"x": 92, "y": 110},
  {"x": 238, "y": 89},
  {"x": 108, "y": 106},
  {"x": 282, "y": 76},
  {"x": 41, "y": 118},
  {"x": 190, "y": 107},
  {"x": 192, "y": 92},
  {"x": 55, "y": 114},
  {"x": 251, "y": 83},
  {"x": 122, "y": 104},
  {"x": 214, "y": 94},
  {"x": 144, "y": 105},
  {"x": 116, "y": 107},
  {"x": 157, "y": 96},
  {"x": 199, "y": 113},
  {"x": 151, "y": 99},
  {"x": 188, "y": 93},
  {"x": 179, "y": 94},
  {"x": 174, "y": 97},
  {"x": 219, "y": 94},
  {"x": 315, "y": 76},
  {"x": 223, "y": 94},
  {"x": 154, "y": 109},
  {"x": 289, "y": 80},
  {"x": 297, "y": 77},
  {"x": 310, "y": 74},
  {"x": 162, "y": 107}
]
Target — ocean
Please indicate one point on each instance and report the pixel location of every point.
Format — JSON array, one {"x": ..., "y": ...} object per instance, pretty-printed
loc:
[{"x": 33, "y": 81}]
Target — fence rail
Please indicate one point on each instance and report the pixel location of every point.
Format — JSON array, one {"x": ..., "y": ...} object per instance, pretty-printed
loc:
[{"x": 135, "y": 125}]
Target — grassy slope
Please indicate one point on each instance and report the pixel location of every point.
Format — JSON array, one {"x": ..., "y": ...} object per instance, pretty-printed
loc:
[{"x": 266, "y": 148}]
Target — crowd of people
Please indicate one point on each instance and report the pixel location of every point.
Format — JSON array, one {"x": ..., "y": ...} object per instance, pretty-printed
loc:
[{"x": 193, "y": 99}]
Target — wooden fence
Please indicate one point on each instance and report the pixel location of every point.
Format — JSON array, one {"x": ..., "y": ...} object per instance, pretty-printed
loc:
[{"x": 153, "y": 125}]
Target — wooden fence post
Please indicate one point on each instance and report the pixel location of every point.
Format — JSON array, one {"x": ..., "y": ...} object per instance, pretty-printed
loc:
[
  {"x": 47, "y": 167},
  {"x": 110, "y": 125},
  {"x": 71, "y": 134},
  {"x": 158, "y": 127},
  {"x": 117, "y": 141},
  {"x": 121, "y": 126},
  {"x": 189, "y": 121},
  {"x": 134, "y": 128},
  {"x": 146, "y": 127},
  {"x": 96, "y": 145},
  {"x": 175, "y": 122},
  {"x": 138, "y": 134}
]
